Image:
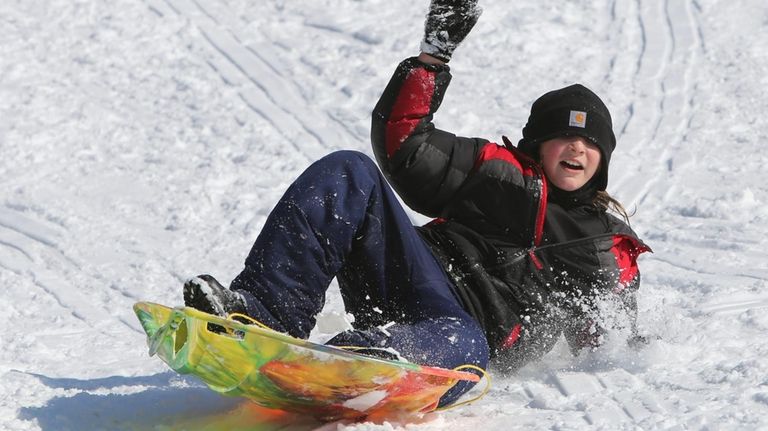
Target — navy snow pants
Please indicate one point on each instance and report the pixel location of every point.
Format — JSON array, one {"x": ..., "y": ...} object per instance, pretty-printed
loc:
[{"x": 341, "y": 219}]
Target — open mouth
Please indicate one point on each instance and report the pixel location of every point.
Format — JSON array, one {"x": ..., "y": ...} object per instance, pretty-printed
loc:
[{"x": 571, "y": 165}]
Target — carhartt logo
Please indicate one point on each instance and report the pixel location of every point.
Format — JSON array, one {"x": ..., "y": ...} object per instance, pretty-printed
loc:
[{"x": 578, "y": 119}]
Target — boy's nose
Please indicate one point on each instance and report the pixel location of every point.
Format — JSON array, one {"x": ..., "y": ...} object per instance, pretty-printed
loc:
[{"x": 577, "y": 144}]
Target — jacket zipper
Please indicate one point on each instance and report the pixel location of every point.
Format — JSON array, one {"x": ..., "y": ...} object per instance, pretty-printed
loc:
[
  {"x": 531, "y": 252},
  {"x": 538, "y": 228},
  {"x": 575, "y": 241},
  {"x": 591, "y": 238}
]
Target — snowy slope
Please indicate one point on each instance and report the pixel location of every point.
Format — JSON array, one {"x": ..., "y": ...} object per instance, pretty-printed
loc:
[{"x": 145, "y": 142}]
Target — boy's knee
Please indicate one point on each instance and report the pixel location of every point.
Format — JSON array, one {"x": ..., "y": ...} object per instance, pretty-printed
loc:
[{"x": 347, "y": 160}]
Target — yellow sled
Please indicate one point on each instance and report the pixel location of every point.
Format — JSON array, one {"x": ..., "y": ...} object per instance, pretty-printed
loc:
[{"x": 278, "y": 371}]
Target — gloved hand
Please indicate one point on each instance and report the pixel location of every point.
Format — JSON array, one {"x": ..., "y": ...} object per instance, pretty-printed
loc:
[
  {"x": 448, "y": 23},
  {"x": 588, "y": 335},
  {"x": 638, "y": 341}
]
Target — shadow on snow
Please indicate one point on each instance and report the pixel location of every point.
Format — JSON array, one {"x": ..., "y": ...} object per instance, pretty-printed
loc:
[{"x": 162, "y": 401}]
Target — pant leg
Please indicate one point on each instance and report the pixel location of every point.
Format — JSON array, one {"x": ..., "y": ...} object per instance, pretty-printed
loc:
[{"x": 305, "y": 242}]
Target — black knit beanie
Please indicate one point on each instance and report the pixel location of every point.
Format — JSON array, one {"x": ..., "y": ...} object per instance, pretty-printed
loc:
[{"x": 573, "y": 110}]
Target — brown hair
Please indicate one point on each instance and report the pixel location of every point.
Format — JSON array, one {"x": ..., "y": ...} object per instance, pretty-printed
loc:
[{"x": 606, "y": 202}]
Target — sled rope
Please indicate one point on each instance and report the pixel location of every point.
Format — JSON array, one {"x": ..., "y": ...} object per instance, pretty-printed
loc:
[
  {"x": 231, "y": 316},
  {"x": 377, "y": 349},
  {"x": 477, "y": 398}
]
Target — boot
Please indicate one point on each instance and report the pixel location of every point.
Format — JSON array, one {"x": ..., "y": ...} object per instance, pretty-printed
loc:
[{"x": 206, "y": 294}]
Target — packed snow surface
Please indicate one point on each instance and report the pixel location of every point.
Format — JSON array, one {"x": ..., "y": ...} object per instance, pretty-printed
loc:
[{"x": 144, "y": 142}]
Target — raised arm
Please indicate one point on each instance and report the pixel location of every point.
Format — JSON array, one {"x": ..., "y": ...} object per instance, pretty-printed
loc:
[{"x": 425, "y": 165}]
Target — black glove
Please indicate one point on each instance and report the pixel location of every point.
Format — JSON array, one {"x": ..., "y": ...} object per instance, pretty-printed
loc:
[
  {"x": 448, "y": 23},
  {"x": 638, "y": 341}
]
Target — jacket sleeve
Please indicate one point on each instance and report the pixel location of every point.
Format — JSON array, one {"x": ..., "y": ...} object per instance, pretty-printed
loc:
[
  {"x": 587, "y": 328},
  {"x": 426, "y": 166}
]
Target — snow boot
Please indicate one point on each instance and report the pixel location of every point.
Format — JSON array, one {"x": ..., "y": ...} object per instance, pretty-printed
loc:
[{"x": 206, "y": 294}]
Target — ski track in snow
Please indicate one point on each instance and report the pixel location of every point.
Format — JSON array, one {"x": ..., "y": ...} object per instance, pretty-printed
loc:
[
  {"x": 258, "y": 79},
  {"x": 158, "y": 146}
]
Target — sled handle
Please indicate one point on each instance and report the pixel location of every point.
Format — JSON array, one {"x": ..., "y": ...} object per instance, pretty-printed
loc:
[{"x": 170, "y": 327}]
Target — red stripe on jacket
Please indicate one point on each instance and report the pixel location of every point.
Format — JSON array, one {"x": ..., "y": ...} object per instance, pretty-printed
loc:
[
  {"x": 626, "y": 251},
  {"x": 512, "y": 338},
  {"x": 491, "y": 151},
  {"x": 411, "y": 105}
]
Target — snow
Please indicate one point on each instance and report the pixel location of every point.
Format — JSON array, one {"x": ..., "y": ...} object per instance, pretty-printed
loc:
[
  {"x": 145, "y": 142},
  {"x": 365, "y": 401}
]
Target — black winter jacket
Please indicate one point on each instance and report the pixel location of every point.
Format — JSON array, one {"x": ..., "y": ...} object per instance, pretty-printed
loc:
[{"x": 526, "y": 269}]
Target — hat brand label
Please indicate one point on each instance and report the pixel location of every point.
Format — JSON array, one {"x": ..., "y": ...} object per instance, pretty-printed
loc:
[{"x": 578, "y": 119}]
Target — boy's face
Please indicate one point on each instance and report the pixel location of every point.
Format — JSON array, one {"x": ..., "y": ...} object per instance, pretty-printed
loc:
[{"x": 569, "y": 161}]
